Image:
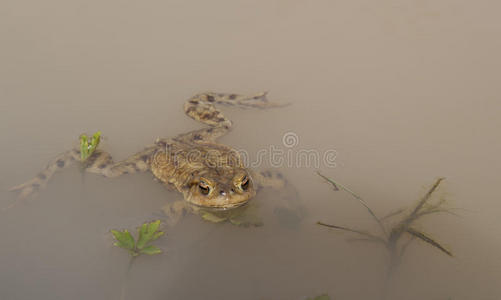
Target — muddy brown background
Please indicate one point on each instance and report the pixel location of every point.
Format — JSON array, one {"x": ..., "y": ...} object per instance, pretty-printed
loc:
[{"x": 404, "y": 91}]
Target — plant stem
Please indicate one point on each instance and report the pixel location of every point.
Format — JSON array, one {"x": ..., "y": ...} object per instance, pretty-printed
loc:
[
  {"x": 336, "y": 184},
  {"x": 370, "y": 236},
  {"x": 125, "y": 280},
  {"x": 82, "y": 185},
  {"x": 427, "y": 196}
]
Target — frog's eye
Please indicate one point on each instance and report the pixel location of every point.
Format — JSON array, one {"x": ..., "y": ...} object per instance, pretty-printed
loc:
[
  {"x": 204, "y": 188},
  {"x": 244, "y": 185}
]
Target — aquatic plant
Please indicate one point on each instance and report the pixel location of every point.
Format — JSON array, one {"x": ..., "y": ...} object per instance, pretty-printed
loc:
[
  {"x": 147, "y": 233},
  {"x": 391, "y": 235},
  {"x": 88, "y": 145}
]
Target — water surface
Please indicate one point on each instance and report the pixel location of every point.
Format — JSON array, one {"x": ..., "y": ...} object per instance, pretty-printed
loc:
[{"x": 403, "y": 91}]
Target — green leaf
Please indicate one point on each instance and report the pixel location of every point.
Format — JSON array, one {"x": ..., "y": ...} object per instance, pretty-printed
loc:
[
  {"x": 151, "y": 250},
  {"x": 96, "y": 138},
  {"x": 141, "y": 234},
  {"x": 84, "y": 147},
  {"x": 153, "y": 227},
  {"x": 146, "y": 233},
  {"x": 124, "y": 239},
  {"x": 157, "y": 235}
]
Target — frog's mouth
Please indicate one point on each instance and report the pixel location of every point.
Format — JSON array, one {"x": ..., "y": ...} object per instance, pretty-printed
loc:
[
  {"x": 218, "y": 201},
  {"x": 227, "y": 206}
]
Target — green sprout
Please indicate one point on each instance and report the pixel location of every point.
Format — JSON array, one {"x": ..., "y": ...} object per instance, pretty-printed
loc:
[
  {"x": 88, "y": 146},
  {"x": 147, "y": 233}
]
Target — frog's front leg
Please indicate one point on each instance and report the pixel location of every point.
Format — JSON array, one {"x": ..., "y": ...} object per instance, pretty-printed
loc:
[
  {"x": 245, "y": 216},
  {"x": 175, "y": 211}
]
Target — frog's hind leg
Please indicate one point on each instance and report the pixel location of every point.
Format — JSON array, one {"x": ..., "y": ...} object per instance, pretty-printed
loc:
[
  {"x": 102, "y": 163},
  {"x": 176, "y": 210},
  {"x": 269, "y": 179},
  {"x": 259, "y": 100},
  {"x": 291, "y": 211},
  {"x": 99, "y": 162},
  {"x": 203, "y": 135},
  {"x": 40, "y": 181},
  {"x": 201, "y": 107}
]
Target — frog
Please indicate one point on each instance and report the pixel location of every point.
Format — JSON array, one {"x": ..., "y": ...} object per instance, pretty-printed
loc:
[{"x": 211, "y": 177}]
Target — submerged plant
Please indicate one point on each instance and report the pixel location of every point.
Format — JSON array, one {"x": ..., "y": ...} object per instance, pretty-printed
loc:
[
  {"x": 147, "y": 233},
  {"x": 390, "y": 236}
]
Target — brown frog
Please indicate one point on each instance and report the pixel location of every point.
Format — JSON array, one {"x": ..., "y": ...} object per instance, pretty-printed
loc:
[{"x": 208, "y": 174}]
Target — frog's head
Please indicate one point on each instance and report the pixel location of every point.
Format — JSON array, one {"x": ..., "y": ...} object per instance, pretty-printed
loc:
[{"x": 223, "y": 190}]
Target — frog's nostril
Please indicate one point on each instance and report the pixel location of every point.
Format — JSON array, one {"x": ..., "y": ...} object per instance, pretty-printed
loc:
[{"x": 222, "y": 192}]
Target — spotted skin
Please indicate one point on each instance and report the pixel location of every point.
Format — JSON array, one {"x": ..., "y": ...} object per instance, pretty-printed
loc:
[
  {"x": 229, "y": 183},
  {"x": 62, "y": 161},
  {"x": 270, "y": 179},
  {"x": 201, "y": 107}
]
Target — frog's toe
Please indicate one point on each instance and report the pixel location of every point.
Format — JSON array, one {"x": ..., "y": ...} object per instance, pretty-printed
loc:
[
  {"x": 26, "y": 189},
  {"x": 247, "y": 223},
  {"x": 246, "y": 220},
  {"x": 213, "y": 218},
  {"x": 173, "y": 212}
]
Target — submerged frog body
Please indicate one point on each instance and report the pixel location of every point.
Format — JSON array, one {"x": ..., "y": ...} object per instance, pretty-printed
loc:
[{"x": 208, "y": 174}]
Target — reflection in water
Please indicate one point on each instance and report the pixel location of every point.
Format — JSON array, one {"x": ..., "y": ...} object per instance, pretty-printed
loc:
[{"x": 402, "y": 91}]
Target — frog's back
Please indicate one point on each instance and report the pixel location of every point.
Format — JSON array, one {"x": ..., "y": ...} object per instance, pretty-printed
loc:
[
  {"x": 207, "y": 173},
  {"x": 176, "y": 163}
]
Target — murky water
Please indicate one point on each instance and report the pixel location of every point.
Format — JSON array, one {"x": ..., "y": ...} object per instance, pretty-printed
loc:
[{"x": 403, "y": 91}]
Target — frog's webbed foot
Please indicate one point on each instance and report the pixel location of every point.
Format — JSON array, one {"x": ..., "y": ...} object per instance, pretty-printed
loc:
[
  {"x": 175, "y": 211},
  {"x": 269, "y": 179},
  {"x": 291, "y": 211},
  {"x": 29, "y": 187},
  {"x": 247, "y": 216},
  {"x": 259, "y": 100},
  {"x": 244, "y": 216}
]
